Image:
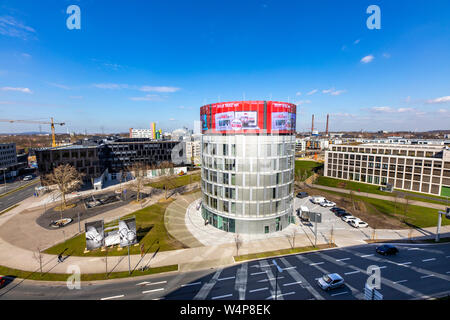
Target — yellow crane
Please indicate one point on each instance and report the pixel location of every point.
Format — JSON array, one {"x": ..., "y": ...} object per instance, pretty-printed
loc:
[{"x": 51, "y": 123}]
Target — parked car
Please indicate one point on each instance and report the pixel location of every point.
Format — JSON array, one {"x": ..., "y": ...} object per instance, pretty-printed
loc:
[
  {"x": 348, "y": 218},
  {"x": 2, "y": 281},
  {"x": 331, "y": 281},
  {"x": 317, "y": 200},
  {"x": 335, "y": 209},
  {"x": 303, "y": 213},
  {"x": 386, "y": 250},
  {"x": 358, "y": 223},
  {"x": 327, "y": 203},
  {"x": 302, "y": 195},
  {"x": 27, "y": 178}
]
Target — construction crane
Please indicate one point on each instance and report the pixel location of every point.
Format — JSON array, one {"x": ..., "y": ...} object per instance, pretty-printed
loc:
[{"x": 51, "y": 123}]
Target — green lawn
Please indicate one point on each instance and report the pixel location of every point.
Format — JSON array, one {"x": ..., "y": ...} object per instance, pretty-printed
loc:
[
  {"x": 176, "y": 181},
  {"x": 304, "y": 169},
  {"x": 151, "y": 231},
  {"x": 84, "y": 277},
  {"x": 369, "y": 188},
  {"x": 281, "y": 252},
  {"x": 418, "y": 216}
]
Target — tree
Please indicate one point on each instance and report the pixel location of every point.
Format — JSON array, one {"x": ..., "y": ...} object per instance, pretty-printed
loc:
[
  {"x": 37, "y": 255},
  {"x": 66, "y": 178},
  {"x": 405, "y": 208},
  {"x": 293, "y": 235},
  {"x": 139, "y": 172},
  {"x": 352, "y": 198},
  {"x": 167, "y": 176}
]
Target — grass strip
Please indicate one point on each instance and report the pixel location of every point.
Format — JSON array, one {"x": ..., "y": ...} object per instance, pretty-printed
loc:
[{"x": 281, "y": 252}]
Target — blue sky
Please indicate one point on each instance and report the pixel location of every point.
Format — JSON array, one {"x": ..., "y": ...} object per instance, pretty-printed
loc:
[{"x": 134, "y": 62}]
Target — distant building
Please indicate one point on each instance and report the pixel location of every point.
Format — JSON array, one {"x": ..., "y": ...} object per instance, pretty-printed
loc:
[
  {"x": 414, "y": 168},
  {"x": 141, "y": 133},
  {"x": 300, "y": 145},
  {"x": 8, "y": 160}
]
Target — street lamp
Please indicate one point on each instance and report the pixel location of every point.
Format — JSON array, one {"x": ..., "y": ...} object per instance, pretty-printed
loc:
[
  {"x": 440, "y": 214},
  {"x": 279, "y": 269}
]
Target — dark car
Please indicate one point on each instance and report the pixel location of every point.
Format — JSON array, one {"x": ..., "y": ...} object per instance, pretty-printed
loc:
[
  {"x": 2, "y": 281},
  {"x": 341, "y": 214},
  {"x": 386, "y": 250},
  {"x": 336, "y": 210},
  {"x": 302, "y": 195}
]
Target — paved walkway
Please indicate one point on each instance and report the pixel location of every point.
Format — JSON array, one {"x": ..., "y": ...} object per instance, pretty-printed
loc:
[
  {"x": 16, "y": 252},
  {"x": 381, "y": 197}
]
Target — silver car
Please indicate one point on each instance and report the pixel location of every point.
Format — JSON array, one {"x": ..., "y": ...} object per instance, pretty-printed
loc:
[{"x": 331, "y": 281}]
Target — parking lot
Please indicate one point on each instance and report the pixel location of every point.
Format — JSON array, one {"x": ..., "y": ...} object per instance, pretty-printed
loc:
[{"x": 329, "y": 219}]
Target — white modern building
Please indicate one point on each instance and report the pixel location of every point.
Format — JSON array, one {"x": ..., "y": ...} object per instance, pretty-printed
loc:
[
  {"x": 141, "y": 133},
  {"x": 248, "y": 162}
]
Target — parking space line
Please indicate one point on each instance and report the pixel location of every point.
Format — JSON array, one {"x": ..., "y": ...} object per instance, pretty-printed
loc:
[
  {"x": 367, "y": 255},
  {"x": 255, "y": 273},
  {"x": 344, "y": 259},
  {"x": 382, "y": 267},
  {"x": 426, "y": 260},
  {"x": 191, "y": 284},
  {"x": 337, "y": 294},
  {"x": 260, "y": 289},
  {"x": 427, "y": 276},
  {"x": 280, "y": 295},
  {"x": 228, "y": 278},
  {"x": 404, "y": 263},
  {"x": 352, "y": 272},
  {"x": 289, "y": 268},
  {"x": 292, "y": 283},
  {"x": 400, "y": 281},
  {"x": 264, "y": 280},
  {"x": 153, "y": 290},
  {"x": 224, "y": 296},
  {"x": 114, "y": 297},
  {"x": 152, "y": 283},
  {"x": 316, "y": 264}
]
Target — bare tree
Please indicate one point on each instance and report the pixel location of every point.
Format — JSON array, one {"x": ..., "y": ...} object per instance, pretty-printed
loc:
[
  {"x": 293, "y": 235},
  {"x": 139, "y": 172},
  {"x": 167, "y": 177},
  {"x": 66, "y": 178},
  {"x": 332, "y": 235},
  {"x": 352, "y": 198},
  {"x": 237, "y": 242},
  {"x": 405, "y": 208}
]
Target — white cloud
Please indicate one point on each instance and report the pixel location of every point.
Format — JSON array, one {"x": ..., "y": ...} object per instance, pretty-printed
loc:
[
  {"x": 9, "y": 26},
  {"x": 58, "y": 85},
  {"x": 312, "y": 92},
  {"x": 298, "y": 93},
  {"x": 159, "y": 89},
  {"x": 442, "y": 110},
  {"x": 367, "y": 59},
  {"x": 303, "y": 102},
  {"x": 148, "y": 97},
  {"x": 23, "y": 90},
  {"x": 401, "y": 110},
  {"x": 382, "y": 109},
  {"x": 386, "y": 55},
  {"x": 328, "y": 90},
  {"x": 338, "y": 92},
  {"x": 356, "y": 41},
  {"x": 113, "y": 86},
  {"x": 171, "y": 119},
  {"x": 439, "y": 100}
]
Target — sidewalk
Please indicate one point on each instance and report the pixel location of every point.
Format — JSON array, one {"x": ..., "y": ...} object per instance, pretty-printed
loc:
[
  {"x": 17, "y": 253},
  {"x": 381, "y": 197}
]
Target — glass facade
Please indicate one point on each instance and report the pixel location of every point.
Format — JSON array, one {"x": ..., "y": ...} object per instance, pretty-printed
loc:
[{"x": 248, "y": 181}]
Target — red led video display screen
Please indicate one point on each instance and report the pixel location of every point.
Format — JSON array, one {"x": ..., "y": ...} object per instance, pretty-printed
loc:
[{"x": 248, "y": 117}]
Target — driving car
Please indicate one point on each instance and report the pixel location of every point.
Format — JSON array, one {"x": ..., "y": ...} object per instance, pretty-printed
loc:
[
  {"x": 358, "y": 223},
  {"x": 331, "y": 281},
  {"x": 348, "y": 218},
  {"x": 26, "y": 178},
  {"x": 386, "y": 249},
  {"x": 302, "y": 195},
  {"x": 327, "y": 203}
]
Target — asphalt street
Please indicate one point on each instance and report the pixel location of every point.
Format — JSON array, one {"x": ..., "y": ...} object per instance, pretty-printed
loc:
[
  {"x": 15, "y": 197},
  {"x": 419, "y": 271}
]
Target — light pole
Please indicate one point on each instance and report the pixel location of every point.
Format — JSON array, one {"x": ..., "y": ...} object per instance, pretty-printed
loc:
[
  {"x": 440, "y": 214},
  {"x": 279, "y": 269}
]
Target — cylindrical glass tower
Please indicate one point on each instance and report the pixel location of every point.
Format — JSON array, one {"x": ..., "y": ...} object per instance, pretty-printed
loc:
[{"x": 248, "y": 151}]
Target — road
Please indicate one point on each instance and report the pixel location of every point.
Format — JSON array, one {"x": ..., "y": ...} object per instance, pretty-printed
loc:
[
  {"x": 15, "y": 197},
  {"x": 418, "y": 271}
]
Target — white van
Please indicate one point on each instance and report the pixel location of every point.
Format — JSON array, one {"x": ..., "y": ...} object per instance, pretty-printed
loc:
[
  {"x": 303, "y": 213},
  {"x": 317, "y": 200}
]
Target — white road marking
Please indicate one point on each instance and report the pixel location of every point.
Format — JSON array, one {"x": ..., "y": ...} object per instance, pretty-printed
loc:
[
  {"x": 280, "y": 295},
  {"x": 264, "y": 280},
  {"x": 224, "y": 296},
  {"x": 367, "y": 255},
  {"x": 352, "y": 272},
  {"x": 427, "y": 276},
  {"x": 154, "y": 290},
  {"x": 447, "y": 256},
  {"x": 228, "y": 278},
  {"x": 404, "y": 263},
  {"x": 400, "y": 281},
  {"x": 290, "y": 268},
  {"x": 316, "y": 264},
  {"x": 152, "y": 283},
  {"x": 191, "y": 284},
  {"x": 114, "y": 297},
  {"x": 383, "y": 267},
  {"x": 426, "y": 260},
  {"x": 343, "y": 259},
  {"x": 260, "y": 289},
  {"x": 448, "y": 272},
  {"x": 140, "y": 283},
  {"x": 291, "y": 283},
  {"x": 337, "y": 294},
  {"x": 414, "y": 249},
  {"x": 255, "y": 273}
]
